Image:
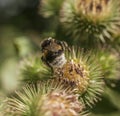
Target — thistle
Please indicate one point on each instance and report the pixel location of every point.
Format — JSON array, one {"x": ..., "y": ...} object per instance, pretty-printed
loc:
[
  {"x": 92, "y": 20},
  {"x": 84, "y": 74},
  {"x": 33, "y": 69},
  {"x": 44, "y": 99}
]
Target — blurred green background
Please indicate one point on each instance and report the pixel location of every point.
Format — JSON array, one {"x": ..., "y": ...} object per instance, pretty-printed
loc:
[{"x": 21, "y": 30}]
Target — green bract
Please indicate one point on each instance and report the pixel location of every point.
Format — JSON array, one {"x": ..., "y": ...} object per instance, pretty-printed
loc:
[{"x": 33, "y": 69}]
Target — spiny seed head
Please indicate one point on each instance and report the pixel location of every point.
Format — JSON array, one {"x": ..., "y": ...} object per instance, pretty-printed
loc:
[
  {"x": 92, "y": 20},
  {"x": 60, "y": 103},
  {"x": 83, "y": 73},
  {"x": 74, "y": 72},
  {"x": 94, "y": 9},
  {"x": 44, "y": 99}
]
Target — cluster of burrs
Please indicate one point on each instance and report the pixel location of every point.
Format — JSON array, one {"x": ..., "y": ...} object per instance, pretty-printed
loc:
[
  {"x": 78, "y": 69},
  {"x": 65, "y": 81}
]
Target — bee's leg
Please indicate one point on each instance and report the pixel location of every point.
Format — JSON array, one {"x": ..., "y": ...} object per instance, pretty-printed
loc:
[
  {"x": 46, "y": 62},
  {"x": 42, "y": 58}
]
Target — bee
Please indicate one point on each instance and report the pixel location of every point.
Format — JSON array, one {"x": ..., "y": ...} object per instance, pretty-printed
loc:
[{"x": 53, "y": 52}]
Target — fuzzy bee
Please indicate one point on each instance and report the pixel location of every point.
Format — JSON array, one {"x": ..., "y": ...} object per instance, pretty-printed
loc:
[{"x": 53, "y": 52}]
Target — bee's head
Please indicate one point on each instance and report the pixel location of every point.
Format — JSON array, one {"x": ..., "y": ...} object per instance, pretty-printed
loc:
[
  {"x": 45, "y": 44},
  {"x": 52, "y": 46}
]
